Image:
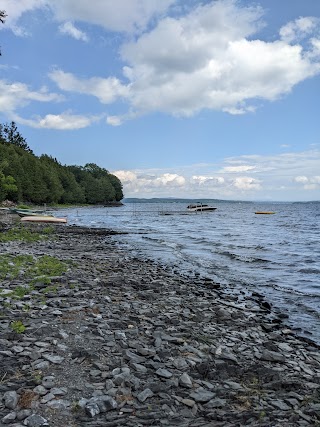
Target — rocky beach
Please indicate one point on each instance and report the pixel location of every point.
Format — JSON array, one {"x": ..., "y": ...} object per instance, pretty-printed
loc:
[{"x": 92, "y": 336}]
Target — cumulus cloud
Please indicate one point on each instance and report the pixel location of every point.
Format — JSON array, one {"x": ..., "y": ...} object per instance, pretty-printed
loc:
[
  {"x": 299, "y": 29},
  {"x": 144, "y": 182},
  {"x": 309, "y": 182},
  {"x": 273, "y": 175},
  {"x": 16, "y": 95},
  {"x": 15, "y": 9},
  {"x": 247, "y": 183},
  {"x": 64, "y": 121},
  {"x": 106, "y": 90},
  {"x": 120, "y": 15},
  {"x": 69, "y": 29},
  {"x": 211, "y": 180},
  {"x": 170, "y": 179},
  {"x": 206, "y": 57},
  {"x": 202, "y": 60}
]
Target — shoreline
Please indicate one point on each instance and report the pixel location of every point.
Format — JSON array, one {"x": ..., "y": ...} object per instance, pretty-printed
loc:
[{"x": 119, "y": 341}]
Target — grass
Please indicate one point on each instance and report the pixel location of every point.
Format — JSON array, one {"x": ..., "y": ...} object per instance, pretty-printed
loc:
[
  {"x": 24, "y": 234},
  {"x": 18, "y": 327},
  {"x": 34, "y": 270}
]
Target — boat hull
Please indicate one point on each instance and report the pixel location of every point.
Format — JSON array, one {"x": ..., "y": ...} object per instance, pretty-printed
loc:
[
  {"x": 49, "y": 219},
  {"x": 264, "y": 213}
]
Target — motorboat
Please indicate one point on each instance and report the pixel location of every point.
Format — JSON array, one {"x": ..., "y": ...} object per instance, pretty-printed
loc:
[{"x": 200, "y": 207}]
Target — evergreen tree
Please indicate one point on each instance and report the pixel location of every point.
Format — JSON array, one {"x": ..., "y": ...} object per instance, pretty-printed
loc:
[
  {"x": 28, "y": 178},
  {"x": 12, "y": 136}
]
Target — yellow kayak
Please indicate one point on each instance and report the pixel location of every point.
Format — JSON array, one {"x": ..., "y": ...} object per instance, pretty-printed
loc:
[
  {"x": 264, "y": 213},
  {"x": 43, "y": 218}
]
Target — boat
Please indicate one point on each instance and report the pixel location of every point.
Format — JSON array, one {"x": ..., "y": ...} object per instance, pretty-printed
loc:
[
  {"x": 264, "y": 213},
  {"x": 200, "y": 207},
  {"x": 43, "y": 218},
  {"x": 30, "y": 213},
  {"x": 26, "y": 211}
]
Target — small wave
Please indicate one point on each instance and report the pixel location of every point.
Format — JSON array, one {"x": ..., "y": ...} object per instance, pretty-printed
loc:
[
  {"x": 242, "y": 258},
  {"x": 309, "y": 271},
  {"x": 294, "y": 291}
]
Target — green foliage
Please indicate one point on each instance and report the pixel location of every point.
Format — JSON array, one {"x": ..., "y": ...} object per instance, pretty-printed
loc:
[
  {"x": 38, "y": 180},
  {"x": 21, "y": 233},
  {"x": 10, "y": 266},
  {"x": 40, "y": 269},
  {"x": 18, "y": 327},
  {"x": 23, "y": 207}
]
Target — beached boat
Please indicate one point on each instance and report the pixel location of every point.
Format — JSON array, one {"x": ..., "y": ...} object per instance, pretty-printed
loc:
[
  {"x": 26, "y": 211},
  {"x": 43, "y": 218},
  {"x": 200, "y": 207},
  {"x": 30, "y": 213}
]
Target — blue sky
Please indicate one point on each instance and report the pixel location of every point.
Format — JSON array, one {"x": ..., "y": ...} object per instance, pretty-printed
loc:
[{"x": 211, "y": 99}]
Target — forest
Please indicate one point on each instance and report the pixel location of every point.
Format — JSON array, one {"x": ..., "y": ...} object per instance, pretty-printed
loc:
[{"x": 27, "y": 178}]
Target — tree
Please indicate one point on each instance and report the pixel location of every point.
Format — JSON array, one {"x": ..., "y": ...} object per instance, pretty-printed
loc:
[
  {"x": 11, "y": 135},
  {"x": 3, "y": 16},
  {"x": 2, "y": 19},
  {"x": 117, "y": 185},
  {"x": 7, "y": 183}
]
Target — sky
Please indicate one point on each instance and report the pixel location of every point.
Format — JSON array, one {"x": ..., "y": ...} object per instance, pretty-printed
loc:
[{"x": 178, "y": 98}]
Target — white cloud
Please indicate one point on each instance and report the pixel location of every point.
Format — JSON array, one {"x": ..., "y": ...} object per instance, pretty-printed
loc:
[
  {"x": 247, "y": 183},
  {"x": 106, "y": 90},
  {"x": 170, "y": 179},
  {"x": 298, "y": 29},
  {"x": 309, "y": 183},
  {"x": 15, "y": 9},
  {"x": 16, "y": 95},
  {"x": 69, "y": 29},
  {"x": 114, "y": 120},
  {"x": 211, "y": 180},
  {"x": 207, "y": 59},
  {"x": 202, "y": 60},
  {"x": 302, "y": 179},
  {"x": 236, "y": 169},
  {"x": 275, "y": 179},
  {"x": 120, "y": 15},
  {"x": 64, "y": 121}
]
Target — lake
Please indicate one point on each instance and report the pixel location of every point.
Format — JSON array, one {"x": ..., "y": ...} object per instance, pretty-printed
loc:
[{"x": 275, "y": 255}]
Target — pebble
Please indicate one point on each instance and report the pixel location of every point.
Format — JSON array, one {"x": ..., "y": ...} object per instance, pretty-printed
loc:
[{"x": 125, "y": 341}]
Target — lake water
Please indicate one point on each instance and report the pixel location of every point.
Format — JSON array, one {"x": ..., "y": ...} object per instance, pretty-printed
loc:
[{"x": 275, "y": 255}]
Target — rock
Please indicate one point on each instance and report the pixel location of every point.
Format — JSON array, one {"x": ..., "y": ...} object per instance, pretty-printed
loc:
[
  {"x": 10, "y": 399},
  {"x": 202, "y": 395},
  {"x": 144, "y": 395},
  {"x": 185, "y": 380},
  {"x": 272, "y": 356},
  {"x": 53, "y": 358},
  {"x": 9, "y": 418},
  {"x": 48, "y": 382},
  {"x": 164, "y": 373},
  {"x": 92, "y": 409},
  {"x": 35, "y": 420}
]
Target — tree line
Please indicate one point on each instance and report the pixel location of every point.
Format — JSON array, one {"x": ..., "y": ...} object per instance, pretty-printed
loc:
[{"x": 25, "y": 177}]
